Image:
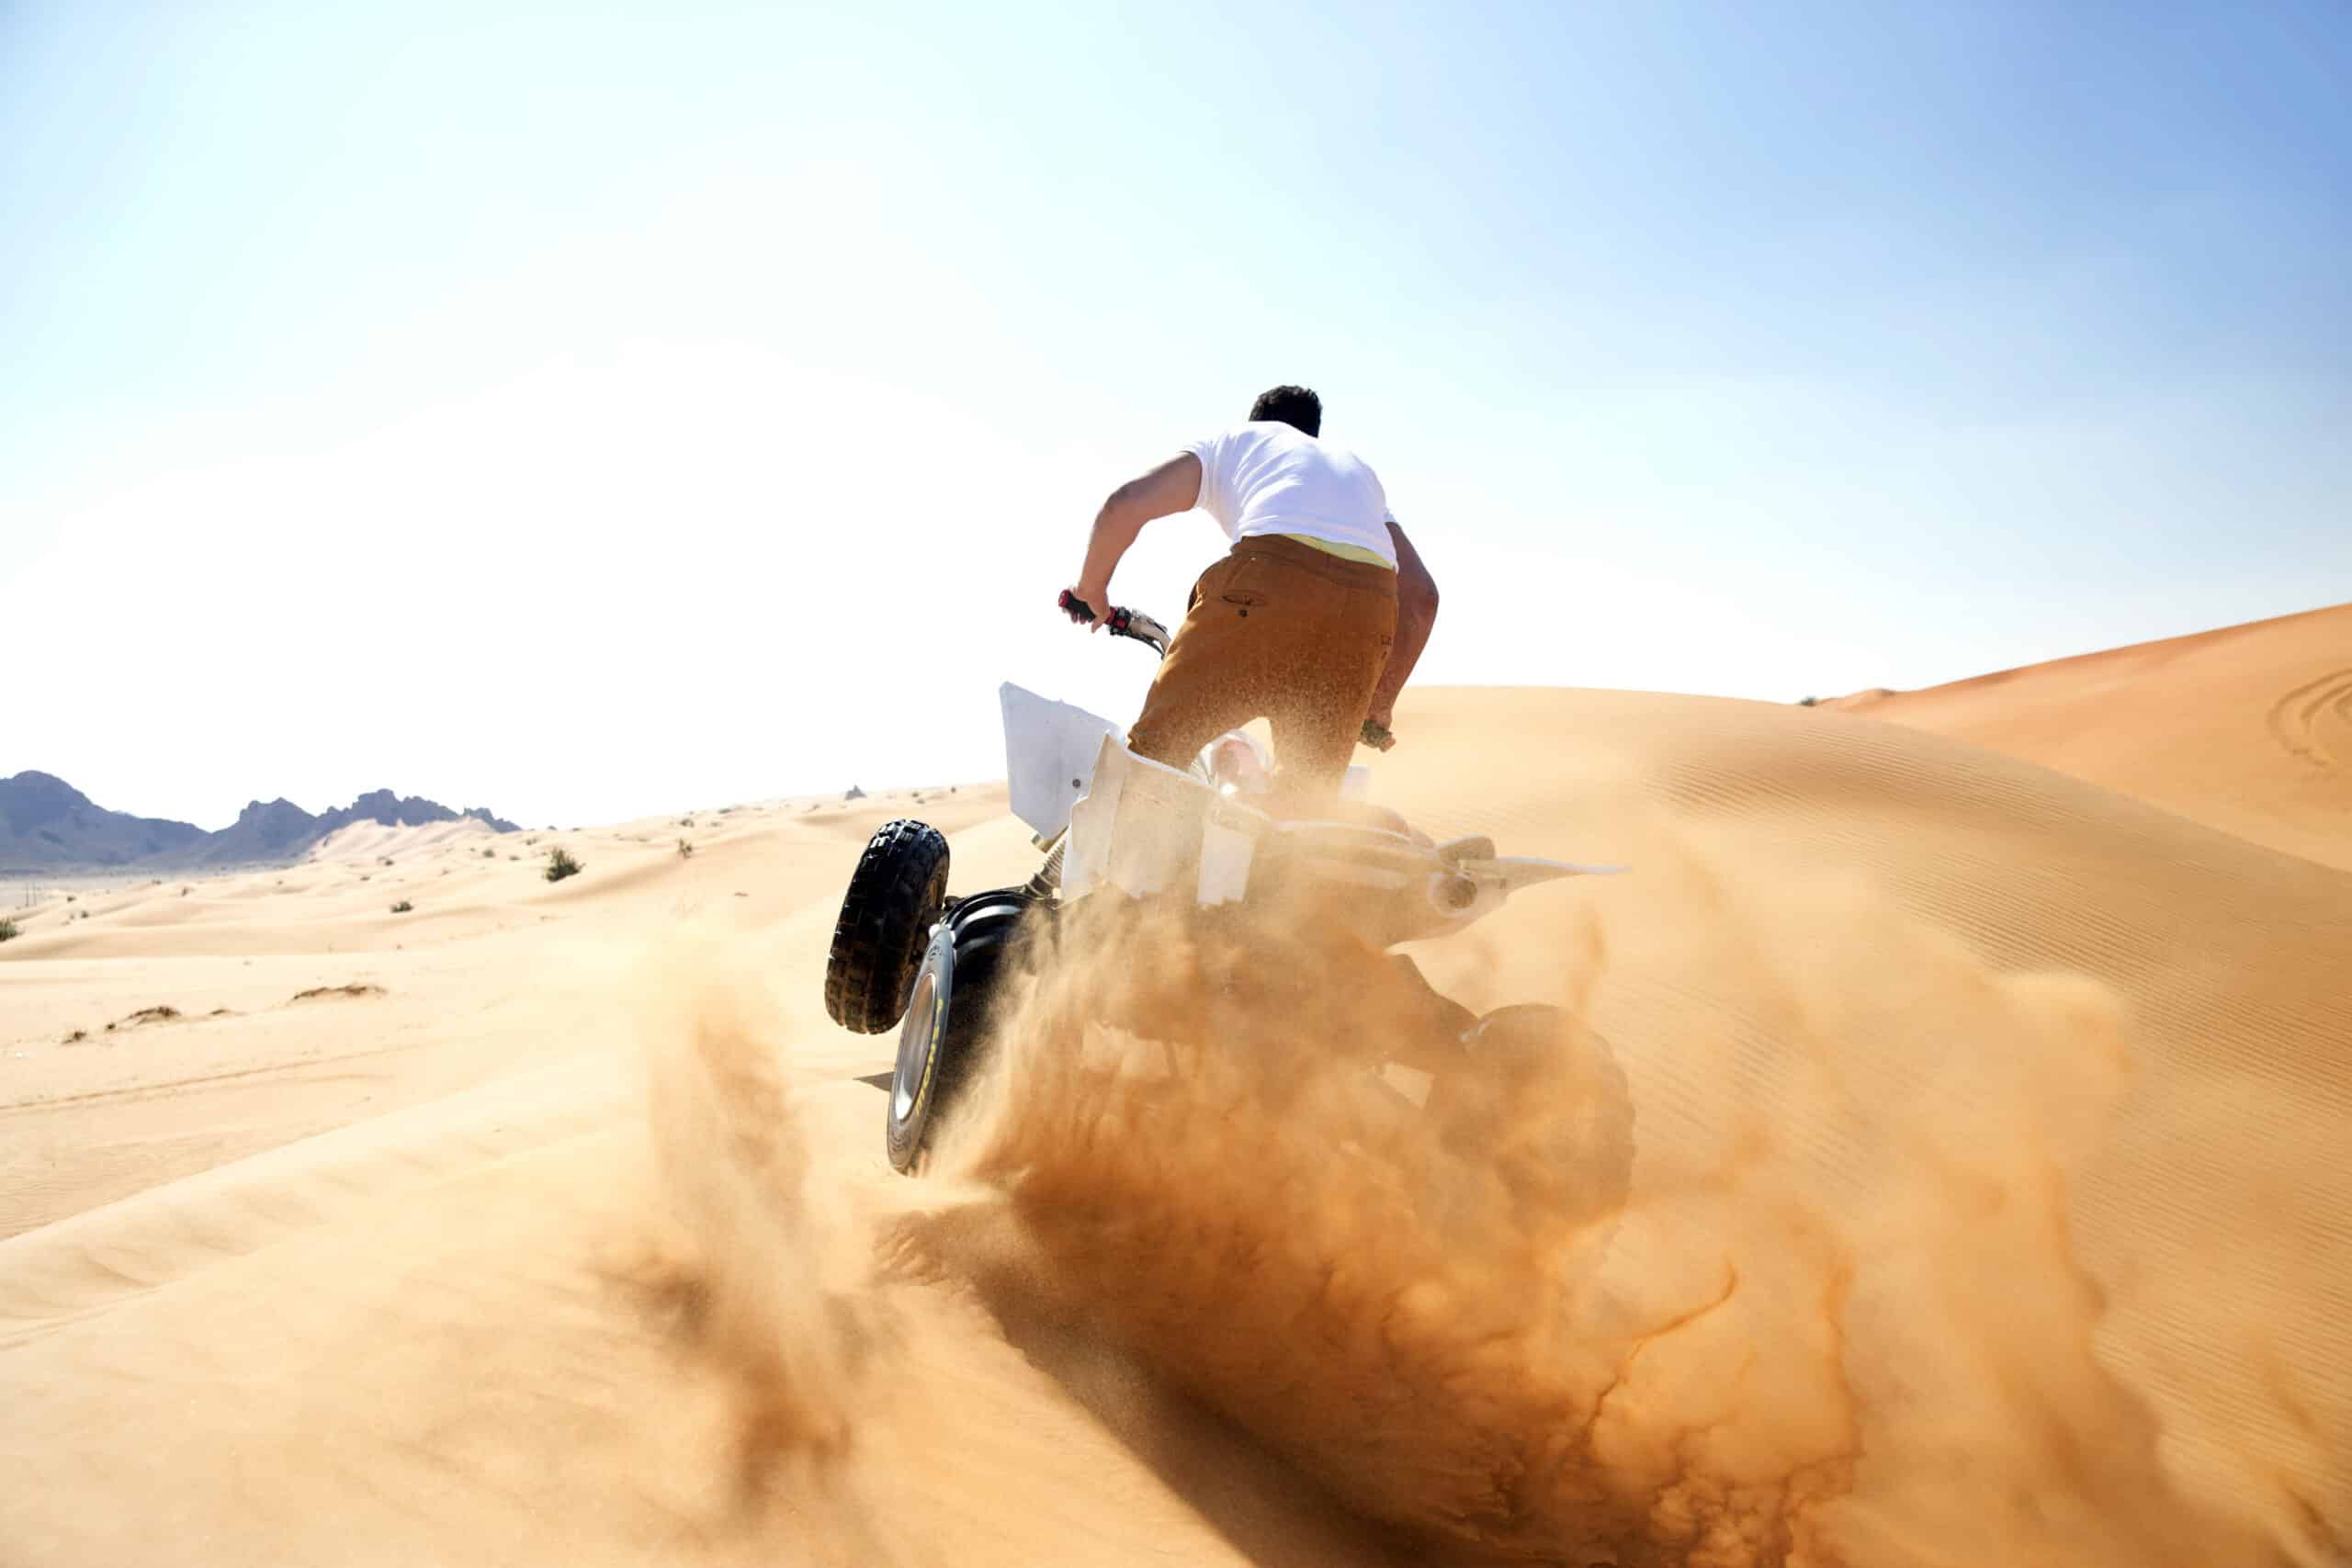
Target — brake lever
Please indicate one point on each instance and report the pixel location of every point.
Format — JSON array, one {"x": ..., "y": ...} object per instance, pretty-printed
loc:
[
  {"x": 1144, "y": 629},
  {"x": 1118, "y": 621}
]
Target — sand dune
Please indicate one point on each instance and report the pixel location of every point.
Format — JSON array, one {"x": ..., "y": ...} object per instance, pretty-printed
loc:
[
  {"x": 1988, "y": 1202},
  {"x": 2248, "y": 728},
  {"x": 373, "y": 841}
]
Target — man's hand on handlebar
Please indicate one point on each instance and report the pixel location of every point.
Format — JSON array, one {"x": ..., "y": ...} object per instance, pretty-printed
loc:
[
  {"x": 1088, "y": 605},
  {"x": 1116, "y": 620}
]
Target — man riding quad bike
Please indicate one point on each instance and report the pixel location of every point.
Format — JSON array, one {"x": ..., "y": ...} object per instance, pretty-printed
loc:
[
  {"x": 1214, "y": 840},
  {"x": 1314, "y": 622}
]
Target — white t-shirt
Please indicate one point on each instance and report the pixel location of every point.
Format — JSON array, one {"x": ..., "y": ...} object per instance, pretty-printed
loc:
[{"x": 1269, "y": 478}]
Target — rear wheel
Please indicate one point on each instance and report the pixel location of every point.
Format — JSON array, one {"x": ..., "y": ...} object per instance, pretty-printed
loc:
[
  {"x": 1554, "y": 1094},
  {"x": 894, "y": 896},
  {"x": 943, "y": 1039}
]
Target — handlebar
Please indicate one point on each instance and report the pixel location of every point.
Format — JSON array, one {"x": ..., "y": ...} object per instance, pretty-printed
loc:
[{"x": 1118, "y": 622}]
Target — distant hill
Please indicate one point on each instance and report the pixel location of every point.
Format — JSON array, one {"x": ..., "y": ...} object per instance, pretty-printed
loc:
[{"x": 48, "y": 825}]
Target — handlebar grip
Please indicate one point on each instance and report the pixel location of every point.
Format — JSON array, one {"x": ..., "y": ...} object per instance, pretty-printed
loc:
[
  {"x": 1114, "y": 620},
  {"x": 1075, "y": 608}
]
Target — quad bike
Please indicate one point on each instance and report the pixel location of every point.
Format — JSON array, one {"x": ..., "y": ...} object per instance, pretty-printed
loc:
[{"x": 1115, "y": 825}]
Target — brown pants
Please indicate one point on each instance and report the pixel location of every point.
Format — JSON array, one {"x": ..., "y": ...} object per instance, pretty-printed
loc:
[{"x": 1282, "y": 631}]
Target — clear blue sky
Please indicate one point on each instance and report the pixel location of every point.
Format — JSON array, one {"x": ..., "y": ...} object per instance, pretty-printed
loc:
[{"x": 593, "y": 411}]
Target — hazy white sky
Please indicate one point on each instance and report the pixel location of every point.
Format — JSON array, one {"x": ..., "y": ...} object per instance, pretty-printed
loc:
[{"x": 594, "y": 411}]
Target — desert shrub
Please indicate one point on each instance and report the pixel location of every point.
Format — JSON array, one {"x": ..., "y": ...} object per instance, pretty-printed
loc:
[
  {"x": 8, "y": 930},
  {"x": 385, "y": 859},
  {"x": 1807, "y": 701},
  {"x": 403, "y": 908},
  {"x": 561, "y": 864},
  {"x": 685, "y": 850},
  {"x": 489, "y": 854}
]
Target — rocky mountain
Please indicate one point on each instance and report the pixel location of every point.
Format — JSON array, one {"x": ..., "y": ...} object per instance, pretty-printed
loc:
[{"x": 48, "y": 825}]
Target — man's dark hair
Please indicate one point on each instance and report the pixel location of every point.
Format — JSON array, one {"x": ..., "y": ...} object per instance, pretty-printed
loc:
[{"x": 1295, "y": 406}]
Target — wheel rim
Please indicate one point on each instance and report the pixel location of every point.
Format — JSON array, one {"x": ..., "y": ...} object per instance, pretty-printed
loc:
[{"x": 916, "y": 1038}]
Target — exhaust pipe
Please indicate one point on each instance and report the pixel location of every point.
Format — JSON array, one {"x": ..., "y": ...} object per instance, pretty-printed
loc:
[{"x": 1451, "y": 893}]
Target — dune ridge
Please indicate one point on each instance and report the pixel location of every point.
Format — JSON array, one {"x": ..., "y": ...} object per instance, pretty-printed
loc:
[{"x": 2248, "y": 728}]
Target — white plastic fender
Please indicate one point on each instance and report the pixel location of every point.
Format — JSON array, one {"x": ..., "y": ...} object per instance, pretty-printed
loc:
[
  {"x": 1512, "y": 873},
  {"x": 1146, "y": 829},
  {"x": 1050, "y": 753}
]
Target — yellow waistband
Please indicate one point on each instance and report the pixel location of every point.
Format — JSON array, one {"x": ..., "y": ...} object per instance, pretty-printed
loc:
[{"x": 1345, "y": 552}]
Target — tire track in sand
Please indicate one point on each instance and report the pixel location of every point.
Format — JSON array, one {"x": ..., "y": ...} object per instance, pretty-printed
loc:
[{"x": 2301, "y": 719}]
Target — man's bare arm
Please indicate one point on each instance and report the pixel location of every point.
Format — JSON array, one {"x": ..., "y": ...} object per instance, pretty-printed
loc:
[
  {"x": 1416, "y": 615},
  {"x": 1168, "y": 489}
]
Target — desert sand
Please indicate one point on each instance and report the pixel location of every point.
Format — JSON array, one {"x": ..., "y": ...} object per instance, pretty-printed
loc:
[{"x": 1991, "y": 1201}]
